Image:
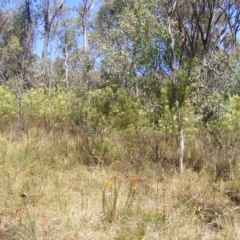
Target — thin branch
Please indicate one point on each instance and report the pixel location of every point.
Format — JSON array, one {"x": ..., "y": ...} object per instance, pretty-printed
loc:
[
  {"x": 3, "y": 23},
  {"x": 56, "y": 12}
]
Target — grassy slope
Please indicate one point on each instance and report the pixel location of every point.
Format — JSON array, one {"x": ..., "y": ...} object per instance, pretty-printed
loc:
[{"x": 47, "y": 194}]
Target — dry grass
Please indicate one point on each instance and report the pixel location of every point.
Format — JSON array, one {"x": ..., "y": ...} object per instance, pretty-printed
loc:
[{"x": 46, "y": 193}]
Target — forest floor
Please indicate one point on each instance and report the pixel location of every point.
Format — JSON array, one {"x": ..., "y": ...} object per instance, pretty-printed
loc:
[{"x": 46, "y": 194}]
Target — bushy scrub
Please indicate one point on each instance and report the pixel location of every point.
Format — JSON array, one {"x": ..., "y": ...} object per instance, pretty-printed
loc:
[
  {"x": 8, "y": 106},
  {"x": 230, "y": 121},
  {"x": 162, "y": 113},
  {"x": 35, "y": 104},
  {"x": 94, "y": 110},
  {"x": 59, "y": 106},
  {"x": 40, "y": 105},
  {"x": 116, "y": 109},
  {"x": 108, "y": 121}
]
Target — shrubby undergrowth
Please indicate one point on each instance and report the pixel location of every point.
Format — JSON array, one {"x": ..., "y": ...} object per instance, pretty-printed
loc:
[
  {"x": 112, "y": 127},
  {"x": 8, "y": 106}
]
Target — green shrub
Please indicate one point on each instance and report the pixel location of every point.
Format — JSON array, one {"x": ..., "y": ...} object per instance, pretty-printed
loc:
[
  {"x": 115, "y": 109},
  {"x": 34, "y": 103},
  {"x": 8, "y": 106},
  {"x": 40, "y": 106},
  {"x": 230, "y": 121}
]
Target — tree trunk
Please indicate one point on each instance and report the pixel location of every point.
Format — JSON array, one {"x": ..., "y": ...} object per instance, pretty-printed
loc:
[
  {"x": 85, "y": 37},
  {"x": 66, "y": 65},
  {"x": 28, "y": 46},
  {"x": 181, "y": 141},
  {"x": 48, "y": 24},
  {"x": 85, "y": 52},
  {"x": 29, "y": 31},
  {"x": 45, "y": 45},
  {"x": 47, "y": 29}
]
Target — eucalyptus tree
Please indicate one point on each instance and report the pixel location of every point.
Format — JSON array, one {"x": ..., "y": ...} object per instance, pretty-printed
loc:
[
  {"x": 183, "y": 40},
  {"x": 16, "y": 49},
  {"x": 11, "y": 53},
  {"x": 25, "y": 24},
  {"x": 171, "y": 10},
  {"x": 208, "y": 31},
  {"x": 203, "y": 34},
  {"x": 66, "y": 34},
  {"x": 84, "y": 11},
  {"x": 130, "y": 37},
  {"x": 138, "y": 46},
  {"x": 206, "y": 26},
  {"x": 28, "y": 41},
  {"x": 16, "y": 44},
  {"x": 50, "y": 12}
]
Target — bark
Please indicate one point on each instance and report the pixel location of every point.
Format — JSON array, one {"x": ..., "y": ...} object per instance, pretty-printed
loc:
[
  {"x": 85, "y": 37},
  {"x": 84, "y": 13},
  {"x": 29, "y": 29},
  {"x": 46, "y": 29},
  {"x": 66, "y": 65},
  {"x": 28, "y": 47}
]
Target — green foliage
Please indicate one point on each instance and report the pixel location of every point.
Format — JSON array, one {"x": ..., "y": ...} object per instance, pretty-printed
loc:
[
  {"x": 182, "y": 90},
  {"x": 11, "y": 49},
  {"x": 8, "y": 106},
  {"x": 42, "y": 105},
  {"x": 211, "y": 86},
  {"x": 131, "y": 37},
  {"x": 79, "y": 113},
  {"x": 100, "y": 108},
  {"x": 162, "y": 113},
  {"x": 102, "y": 100},
  {"x": 230, "y": 121},
  {"x": 35, "y": 104},
  {"x": 115, "y": 109}
]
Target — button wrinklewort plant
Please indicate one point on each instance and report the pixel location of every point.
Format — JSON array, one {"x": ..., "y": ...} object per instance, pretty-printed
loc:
[
  {"x": 26, "y": 225},
  {"x": 111, "y": 197}
]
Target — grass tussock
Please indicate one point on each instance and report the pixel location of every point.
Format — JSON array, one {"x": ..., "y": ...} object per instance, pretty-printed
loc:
[{"x": 49, "y": 192}]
